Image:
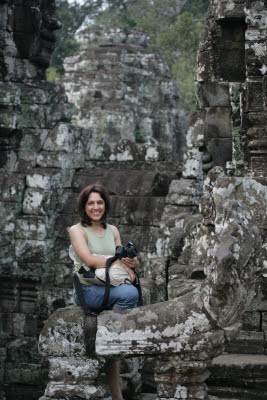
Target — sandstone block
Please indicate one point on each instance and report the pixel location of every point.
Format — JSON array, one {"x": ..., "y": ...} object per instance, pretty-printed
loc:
[
  {"x": 183, "y": 192},
  {"x": 59, "y": 390},
  {"x": 218, "y": 123},
  {"x": 251, "y": 321},
  {"x": 73, "y": 369},
  {"x": 215, "y": 94},
  {"x": 33, "y": 202},
  {"x": 30, "y": 251},
  {"x": 30, "y": 227},
  {"x": 64, "y": 333},
  {"x": 13, "y": 188},
  {"x": 247, "y": 343}
]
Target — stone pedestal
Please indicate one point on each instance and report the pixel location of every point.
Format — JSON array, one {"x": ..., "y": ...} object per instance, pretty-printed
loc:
[
  {"x": 74, "y": 369},
  {"x": 178, "y": 379}
]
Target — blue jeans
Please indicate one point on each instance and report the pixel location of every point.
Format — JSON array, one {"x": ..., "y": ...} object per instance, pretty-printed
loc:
[{"x": 121, "y": 297}]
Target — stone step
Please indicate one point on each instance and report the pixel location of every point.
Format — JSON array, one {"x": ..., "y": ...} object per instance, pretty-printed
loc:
[
  {"x": 247, "y": 342},
  {"x": 148, "y": 396},
  {"x": 238, "y": 377}
]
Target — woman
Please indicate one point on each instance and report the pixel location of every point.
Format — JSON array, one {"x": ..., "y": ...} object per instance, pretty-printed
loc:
[{"x": 93, "y": 238}]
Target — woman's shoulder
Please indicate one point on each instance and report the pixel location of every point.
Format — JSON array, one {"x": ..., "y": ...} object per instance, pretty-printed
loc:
[
  {"x": 114, "y": 229},
  {"x": 76, "y": 228},
  {"x": 115, "y": 234}
]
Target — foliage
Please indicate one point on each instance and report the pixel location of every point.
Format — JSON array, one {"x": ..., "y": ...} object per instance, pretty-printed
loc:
[{"x": 52, "y": 74}]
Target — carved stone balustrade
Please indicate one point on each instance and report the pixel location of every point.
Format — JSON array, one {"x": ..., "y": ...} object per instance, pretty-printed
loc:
[{"x": 185, "y": 333}]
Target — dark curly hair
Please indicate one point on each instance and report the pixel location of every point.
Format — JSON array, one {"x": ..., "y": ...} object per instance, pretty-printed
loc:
[{"x": 83, "y": 198}]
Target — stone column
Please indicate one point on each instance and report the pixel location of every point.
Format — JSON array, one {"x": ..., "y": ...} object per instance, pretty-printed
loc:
[
  {"x": 180, "y": 379},
  {"x": 67, "y": 340}
]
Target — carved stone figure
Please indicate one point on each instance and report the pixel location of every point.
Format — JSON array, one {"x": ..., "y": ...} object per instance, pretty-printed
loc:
[{"x": 28, "y": 38}]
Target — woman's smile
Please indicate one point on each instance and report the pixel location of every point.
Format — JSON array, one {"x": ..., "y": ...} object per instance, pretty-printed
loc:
[{"x": 95, "y": 207}]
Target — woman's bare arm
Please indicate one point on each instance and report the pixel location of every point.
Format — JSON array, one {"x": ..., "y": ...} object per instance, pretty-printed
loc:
[{"x": 79, "y": 243}]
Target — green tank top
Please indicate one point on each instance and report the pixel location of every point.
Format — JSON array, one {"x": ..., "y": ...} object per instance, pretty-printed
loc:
[{"x": 104, "y": 245}]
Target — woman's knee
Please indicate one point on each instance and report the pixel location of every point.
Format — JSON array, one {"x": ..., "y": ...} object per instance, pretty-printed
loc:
[{"x": 127, "y": 297}]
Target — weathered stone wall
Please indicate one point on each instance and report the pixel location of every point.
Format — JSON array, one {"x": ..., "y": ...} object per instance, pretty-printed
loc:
[
  {"x": 231, "y": 83},
  {"x": 45, "y": 162}
]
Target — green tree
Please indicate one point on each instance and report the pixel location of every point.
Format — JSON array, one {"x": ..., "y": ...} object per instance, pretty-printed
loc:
[{"x": 72, "y": 17}]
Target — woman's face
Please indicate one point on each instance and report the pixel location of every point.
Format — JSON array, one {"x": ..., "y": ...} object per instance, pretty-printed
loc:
[{"x": 95, "y": 207}]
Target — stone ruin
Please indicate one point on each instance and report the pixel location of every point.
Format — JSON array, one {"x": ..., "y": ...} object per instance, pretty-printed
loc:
[{"x": 203, "y": 273}]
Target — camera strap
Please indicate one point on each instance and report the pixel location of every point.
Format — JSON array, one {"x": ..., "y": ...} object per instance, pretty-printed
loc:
[{"x": 79, "y": 292}]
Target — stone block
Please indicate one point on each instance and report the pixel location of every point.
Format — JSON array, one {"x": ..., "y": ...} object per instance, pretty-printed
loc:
[
  {"x": 137, "y": 210},
  {"x": 264, "y": 321},
  {"x": 31, "y": 116},
  {"x": 9, "y": 94},
  {"x": 63, "y": 334},
  {"x": 3, "y": 355},
  {"x": 183, "y": 192},
  {"x": 144, "y": 237},
  {"x": 30, "y": 251},
  {"x": 30, "y": 227},
  {"x": 247, "y": 343},
  {"x": 7, "y": 246},
  {"x": 13, "y": 188},
  {"x": 32, "y": 271},
  {"x": 75, "y": 370},
  {"x": 218, "y": 123},
  {"x": 176, "y": 242},
  {"x": 58, "y": 138},
  {"x": 251, "y": 321},
  {"x": 33, "y": 202},
  {"x": 49, "y": 159},
  {"x": 40, "y": 179},
  {"x": 181, "y": 286},
  {"x": 63, "y": 275},
  {"x": 254, "y": 96},
  {"x": 30, "y": 95},
  {"x": 61, "y": 390},
  {"x": 30, "y": 145},
  {"x": 24, "y": 373},
  {"x": 175, "y": 271},
  {"x": 129, "y": 182},
  {"x": 203, "y": 66},
  {"x": 238, "y": 376},
  {"x": 59, "y": 250},
  {"x": 221, "y": 150},
  {"x": 215, "y": 94},
  {"x": 23, "y": 350},
  {"x": 27, "y": 298}
]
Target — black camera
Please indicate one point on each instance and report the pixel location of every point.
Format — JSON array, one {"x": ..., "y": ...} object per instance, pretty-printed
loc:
[{"x": 127, "y": 251}]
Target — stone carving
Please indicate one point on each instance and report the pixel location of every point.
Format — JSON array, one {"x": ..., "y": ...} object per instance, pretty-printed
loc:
[
  {"x": 186, "y": 333},
  {"x": 44, "y": 163},
  {"x": 122, "y": 91},
  {"x": 28, "y": 40},
  {"x": 230, "y": 74}
]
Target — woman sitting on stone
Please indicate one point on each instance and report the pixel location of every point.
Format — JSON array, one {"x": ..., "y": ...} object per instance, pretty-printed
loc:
[{"x": 93, "y": 238}]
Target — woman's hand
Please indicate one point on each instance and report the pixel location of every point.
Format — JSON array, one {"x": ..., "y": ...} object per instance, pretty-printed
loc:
[
  {"x": 130, "y": 262},
  {"x": 130, "y": 272}
]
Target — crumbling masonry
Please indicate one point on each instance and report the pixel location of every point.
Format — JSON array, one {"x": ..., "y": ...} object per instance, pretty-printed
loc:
[{"x": 207, "y": 269}]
